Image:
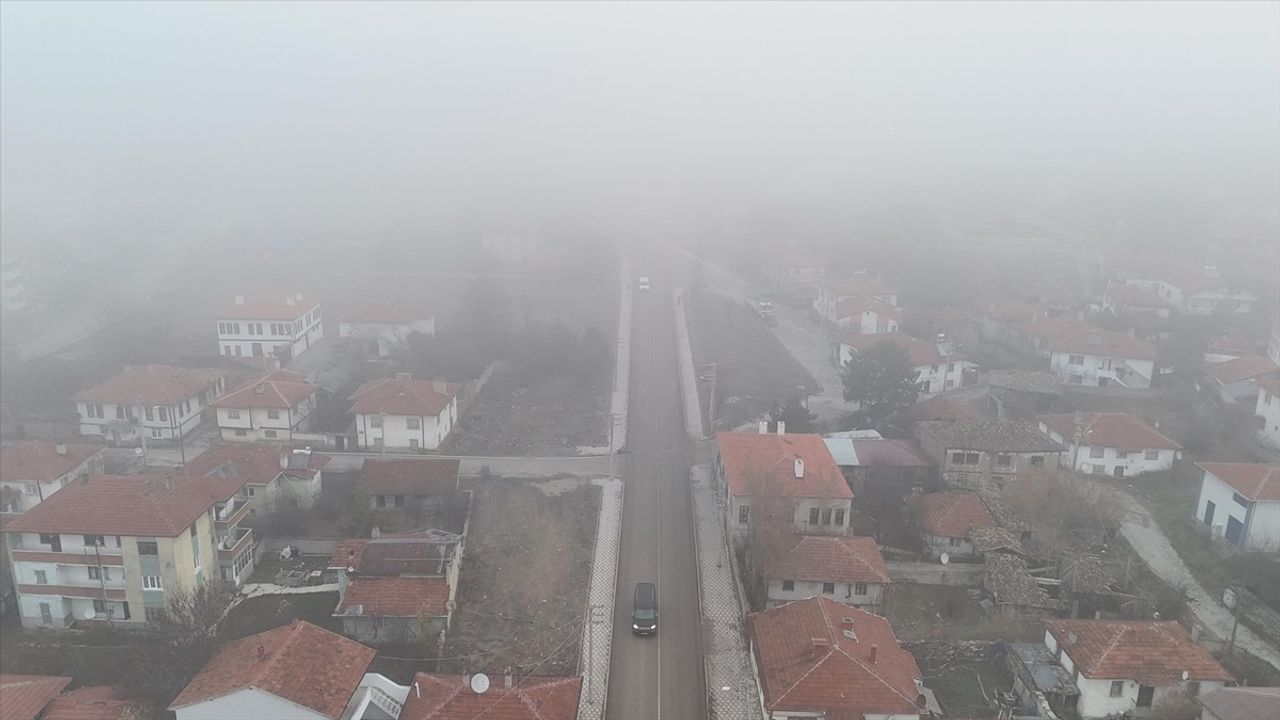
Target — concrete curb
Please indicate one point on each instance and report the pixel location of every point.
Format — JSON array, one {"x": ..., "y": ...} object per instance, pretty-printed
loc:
[
  {"x": 600, "y": 596},
  {"x": 619, "y": 401},
  {"x": 688, "y": 377}
]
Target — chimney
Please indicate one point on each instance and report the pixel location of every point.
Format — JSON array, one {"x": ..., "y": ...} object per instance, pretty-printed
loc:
[
  {"x": 1071, "y": 638},
  {"x": 416, "y": 689},
  {"x": 262, "y": 653},
  {"x": 818, "y": 646},
  {"x": 440, "y": 386},
  {"x": 60, "y": 448},
  {"x": 764, "y": 427},
  {"x": 873, "y": 654},
  {"x": 239, "y": 299},
  {"x": 799, "y": 468},
  {"x": 404, "y": 376},
  {"x": 376, "y": 532},
  {"x": 259, "y": 389},
  {"x": 289, "y": 301},
  {"x": 506, "y": 678},
  {"x": 782, "y": 427},
  {"x": 168, "y": 483}
]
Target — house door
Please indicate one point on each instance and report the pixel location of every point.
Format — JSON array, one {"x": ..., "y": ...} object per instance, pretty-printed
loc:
[
  {"x": 1235, "y": 531},
  {"x": 1209, "y": 507},
  {"x": 257, "y": 349},
  {"x": 1145, "y": 694},
  {"x": 46, "y": 614}
]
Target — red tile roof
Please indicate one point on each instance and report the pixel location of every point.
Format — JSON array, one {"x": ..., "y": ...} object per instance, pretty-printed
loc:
[
  {"x": 858, "y": 286},
  {"x": 1259, "y": 482},
  {"x": 952, "y": 514},
  {"x": 939, "y": 407},
  {"x": 830, "y": 558},
  {"x": 751, "y": 458},
  {"x": 280, "y": 389},
  {"x": 386, "y": 314},
  {"x": 888, "y": 452},
  {"x": 387, "y": 556},
  {"x": 130, "y": 505},
  {"x": 1111, "y": 429},
  {"x": 402, "y": 396},
  {"x": 251, "y": 462},
  {"x": 22, "y": 697},
  {"x": 1244, "y": 367},
  {"x": 267, "y": 309},
  {"x": 416, "y": 476},
  {"x": 395, "y": 597},
  {"x": 1104, "y": 343},
  {"x": 37, "y": 460},
  {"x": 300, "y": 662},
  {"x": 835, "y": 674},
  {"x": 96, "y": 702},
  {"x": 151, "y": 385},
  {"x": 921, "y": 352},
  {"x": 858, "y": 305},
  {"x": 1152, "y": 653},
  {"x": 448, "y": 697}
]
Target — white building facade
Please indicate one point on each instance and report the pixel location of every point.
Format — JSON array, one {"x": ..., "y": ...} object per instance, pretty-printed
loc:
[
  {"x": 151, "y": 402},
  {"x": 1240, "y": 503},
  {"x": 284, "y": 329},
  {"x": 1267, "y": 410},
  {"x": 1101, "y": 371}
]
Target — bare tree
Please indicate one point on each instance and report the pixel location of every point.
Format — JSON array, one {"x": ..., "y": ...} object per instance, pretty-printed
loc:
[
  {"x": 771, "y": 531},
  {"x": 1177, "y": 706}
]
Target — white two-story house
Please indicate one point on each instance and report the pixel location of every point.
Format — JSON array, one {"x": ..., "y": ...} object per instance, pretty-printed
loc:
[
  {"x": 1130, "y": 666},
  {"x": 1267, "y": 410},
  {"x": 282, "y": 328},
  {"x": 271, "y": 408},
  {"x": 849, "y": 570},
  {"x": 1240, "y": 502},
  {"x": 385, "y": 326},
  {"x": 833, "y": 292},
  {"x": 937, "y": 364},
  {"x": 33, "y": 470},
  {"x": 158, "y": 402},
  {"x": 782, "y": 475},
  {"x": 404, "y": 414},
  {"x": 1099, "y": 358},
  {"x": 1113, "y": 443},
  {"x": 867, "y": 316}
]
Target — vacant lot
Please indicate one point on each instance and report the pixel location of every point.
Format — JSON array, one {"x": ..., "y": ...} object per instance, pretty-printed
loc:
[
  {"x": 936, "y": 612},
  {"x": 263, "y": 613},
  {"x": 523, "y": 585},
  {"x": 754, "y": 372},
  {"x": 519, "y": 413}
]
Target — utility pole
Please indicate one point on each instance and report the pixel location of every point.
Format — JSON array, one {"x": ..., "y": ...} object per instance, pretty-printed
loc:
[{"x": 102, "y": 584}]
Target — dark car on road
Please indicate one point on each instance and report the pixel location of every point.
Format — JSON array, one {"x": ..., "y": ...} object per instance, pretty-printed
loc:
[{"x": 644, "y": 611}]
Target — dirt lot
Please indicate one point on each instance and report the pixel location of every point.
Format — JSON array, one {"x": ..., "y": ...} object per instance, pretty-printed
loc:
[
  {"x": 519, "y": 414},
  {"x": 754, "y": 372},
  {"x": 524, "y": 578},
  {"x": 935, "y": 612},
  {"x": 269, "y": 611}
]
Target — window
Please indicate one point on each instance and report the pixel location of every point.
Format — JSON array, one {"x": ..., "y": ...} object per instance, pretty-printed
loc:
[
  {"x": 222, "y": 328},
  {"x": 1118, "y": 471},
  {"x": 826, "y": 516},
  {"x": 1075, "y": 360},
  {"x": 1096, "y": 452},
  {"x": 46, "y": 614},
  {"x": 1193, "y": 688},
  {"x": 1004, "y": 459},
  {"x": 1098, "y": 469},
  {"x": 119, "y": 412},
  {"x": 154, "y": 614},
  {"x": 241, "y": 432},
  {"x": 744, "y": 513},
  {"x": 953, "y": 542},
  {"x": 381, "y": 502},
  {"x": 273, "y": 414},
  {"x": 828, "y": 588},
  {"x": 399, "y": 501},
  {"x": 840, "y": 517},
  {"x": 151, "y": 582},
  {"x": 30, "y": 488},
  {"x": 951, "y": 367},
  {"x": 250, "y": 491},
  {"x": 155, "y": 432},
  {"x": 1153, "y": 454},
  {"x": 233, "y": 414},
  {"x": 377, "y": 443},
  {"x": 950, "y": 384},
  {"x": 92, "y": 540},
  {"x": 41, "y": 577},
  {"x": 1105, "y": 364},
  {"x": 1117, "y": 688},
  {"x": 148, "y": 547},
  {"x": 164, "y": 413},
  {"x": 413, "y": 443},
  {"x": 1037, "y": 461},
  {"x": 813, "y": 516},
  {"x": 375, "y": 421},
  {"x": 269, "y": 433},
  {"x": 957, "y": 458},
  {"x": 413, "y": 423},
  {"x": 99, "y": 573},
  {"x": 100, "y": 606},
  {"x": 53, "y": 540},
  {"x": 788, "y": 585},
  {"x": 859, "y": 588},
  {"x": 971, "y": 459}
]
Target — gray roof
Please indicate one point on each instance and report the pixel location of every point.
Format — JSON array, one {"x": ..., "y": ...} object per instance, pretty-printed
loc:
[
  {"x": 989, "y": 435},
  {"x": 1039, "y": 381},
  {"x": 1242, "y": 703},
  {"x": 1047, "y": 675}
]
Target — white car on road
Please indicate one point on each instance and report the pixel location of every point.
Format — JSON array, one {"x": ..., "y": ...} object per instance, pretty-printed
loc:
[{"x": 644, "y": 283}]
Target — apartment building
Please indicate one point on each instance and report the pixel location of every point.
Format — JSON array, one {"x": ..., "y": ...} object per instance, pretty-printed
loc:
[
  {"x": 113, "y": 547},
  {"x": 156, "y": 402},
  {"x": 283, "y": 328}
]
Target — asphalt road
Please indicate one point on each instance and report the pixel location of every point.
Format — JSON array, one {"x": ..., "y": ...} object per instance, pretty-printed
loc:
[{"x": 657, "y": 677}]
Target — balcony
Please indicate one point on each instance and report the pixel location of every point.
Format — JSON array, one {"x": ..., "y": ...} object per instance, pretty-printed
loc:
[
  {"x": 234, "y": 543},
  {"x": 78, "y": 591},
  {"x": 230, "y": 514},
  {"x": 71, "y": 558}
]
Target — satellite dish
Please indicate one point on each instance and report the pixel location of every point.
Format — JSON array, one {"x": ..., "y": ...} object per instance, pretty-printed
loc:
[
  {"x": 90, "y": 614},
  {"x": 1229, "y": 598},
  {"x": 944, "y": 558},
  {"x": 137, "y": 451},
  {"x": 479, "y": 683},
  {"x": 1185, "y": 674}
]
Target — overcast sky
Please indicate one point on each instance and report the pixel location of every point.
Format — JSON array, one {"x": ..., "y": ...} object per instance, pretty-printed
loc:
[{"x": 171, "y": 117}]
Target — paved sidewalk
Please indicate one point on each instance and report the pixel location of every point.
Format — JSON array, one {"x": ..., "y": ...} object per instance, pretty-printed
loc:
[
  {"x": 597, "y": 632},
  {"x": 1144, "y": 535},
  {"x": 731, "y": 683},
  {"x": 618, "y": 402},
  {"x": 688, "y": 377}
]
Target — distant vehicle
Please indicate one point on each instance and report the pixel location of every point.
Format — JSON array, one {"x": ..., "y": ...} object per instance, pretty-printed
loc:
[
  {"x": 644, "y": 282},
  {"x": 644, "y": 611},
  {"x": 763, "y": 308}
]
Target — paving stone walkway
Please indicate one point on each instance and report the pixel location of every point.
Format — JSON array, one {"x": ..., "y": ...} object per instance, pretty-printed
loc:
[{"x": 597, "y": 631}]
